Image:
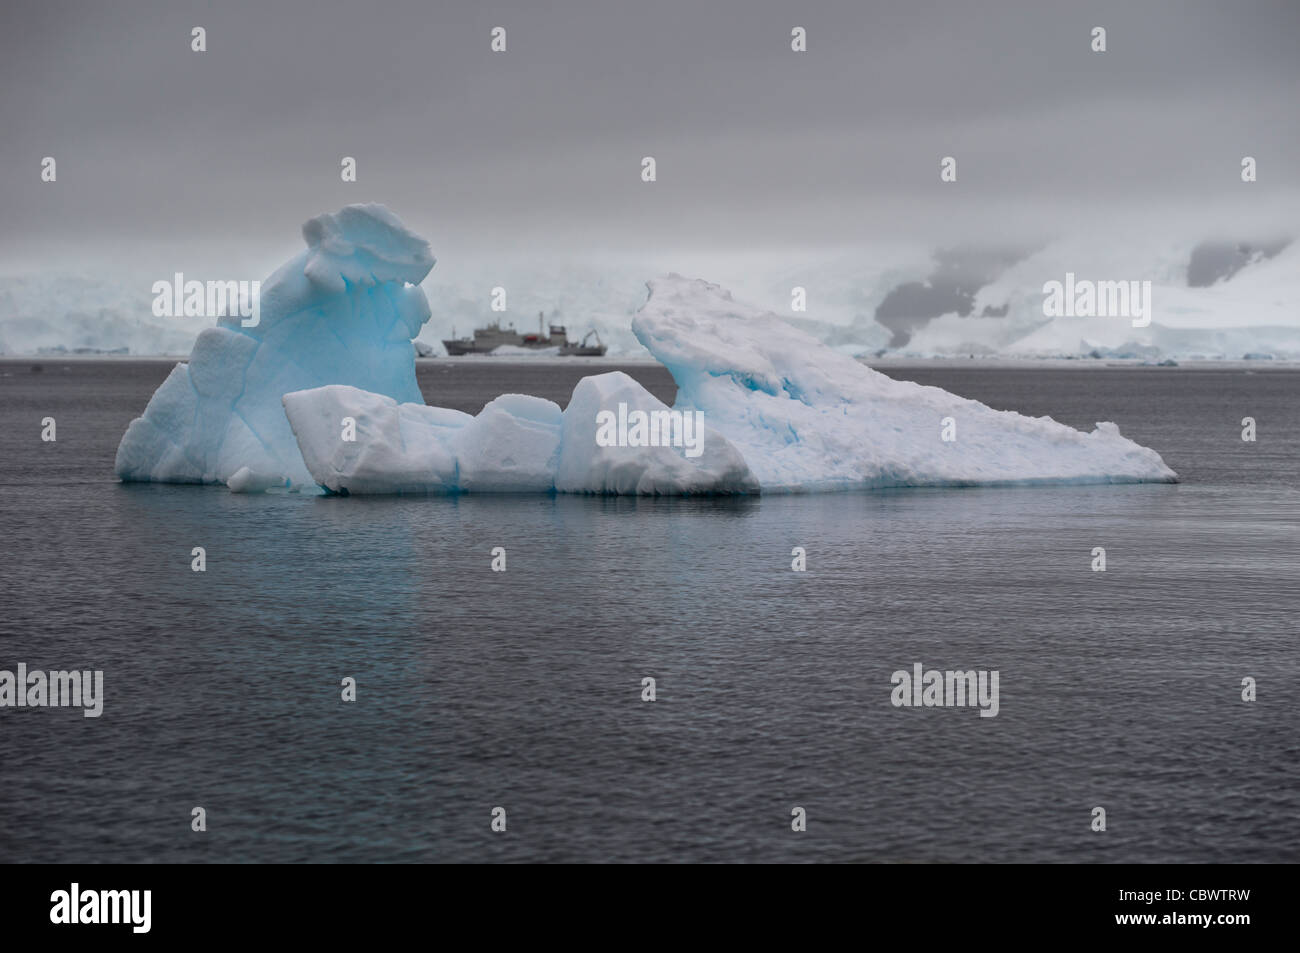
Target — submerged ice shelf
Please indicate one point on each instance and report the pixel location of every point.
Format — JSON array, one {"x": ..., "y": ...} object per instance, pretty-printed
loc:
[{"x": 323, "y": 394}]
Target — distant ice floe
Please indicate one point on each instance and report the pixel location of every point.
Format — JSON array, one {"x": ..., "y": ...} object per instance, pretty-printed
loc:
[{"x": 322, "y": 394}]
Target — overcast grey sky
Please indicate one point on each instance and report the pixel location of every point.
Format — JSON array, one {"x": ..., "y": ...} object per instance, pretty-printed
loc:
[{"x": 540, "y": 147}]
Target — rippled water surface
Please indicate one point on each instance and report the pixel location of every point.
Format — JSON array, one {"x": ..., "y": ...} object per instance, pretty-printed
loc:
[{"x": 523, "y": 689}]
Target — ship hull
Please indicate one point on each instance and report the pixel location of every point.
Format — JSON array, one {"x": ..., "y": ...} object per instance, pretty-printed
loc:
[
  {"x": 578, "y": 350},
  {"x": 457, "y": 348}
]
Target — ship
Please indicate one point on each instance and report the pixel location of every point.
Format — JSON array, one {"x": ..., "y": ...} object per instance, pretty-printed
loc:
[
  {"x": 484, "y": 340},
  {"x": 488, "y": 339},
  {"x": 583, "y": 349}
]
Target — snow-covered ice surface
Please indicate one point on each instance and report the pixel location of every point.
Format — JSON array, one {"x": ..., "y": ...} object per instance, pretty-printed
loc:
[
  {"x": 1256, "y": 310},
  {"x": 586, "y": 467},
  {"x": 513, "y": 444},
  {"x": 68, "y": 313},
  {"x": 342, "y": 312},
  {"x": 808, "y": 418},
  {"x": 516, "y": 444},
  {"x": 783, "y": 413}
]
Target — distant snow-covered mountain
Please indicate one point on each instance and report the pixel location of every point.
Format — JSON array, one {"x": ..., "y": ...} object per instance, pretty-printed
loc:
[{"x": 1210, "y": 300}]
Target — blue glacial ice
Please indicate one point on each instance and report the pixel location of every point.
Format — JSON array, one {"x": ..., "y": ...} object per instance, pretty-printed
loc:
[
  {"x": 783, "y": 413},
  {"x": 323, "y": 393},
  {"x": 343, "y": 311}
]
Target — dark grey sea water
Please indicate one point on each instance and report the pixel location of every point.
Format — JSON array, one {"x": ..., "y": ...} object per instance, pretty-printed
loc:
[{"x": 523, "y": 690}]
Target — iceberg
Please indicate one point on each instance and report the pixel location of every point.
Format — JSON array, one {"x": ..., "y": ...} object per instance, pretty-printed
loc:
[
  {"x": 587, "y": 466},
  {"x": 322, "y": 394},
  {"x": 356, "y": 442},
  {"x": 808, "y": 418},
  {"x": 344, "y": 311},
  {"x": 783, "y": 413}
]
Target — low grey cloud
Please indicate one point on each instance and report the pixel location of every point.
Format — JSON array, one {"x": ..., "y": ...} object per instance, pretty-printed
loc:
[{"x": 160, "y": 147}]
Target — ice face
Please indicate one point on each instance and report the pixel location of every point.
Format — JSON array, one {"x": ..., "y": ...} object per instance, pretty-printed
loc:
[
  {"x": 354, "y": 441},
  {"x": 357, "y": 442},
  {"x": 322, "y": 392},
  {"x": 808, "y": 418},
  {"x": 780, "y": 413},
  {"x": 589, "y": 464},
  {"x": 341, "y": 312}
]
